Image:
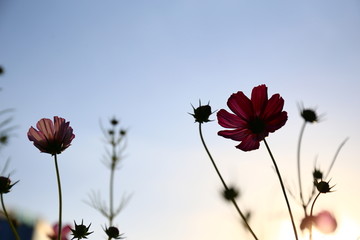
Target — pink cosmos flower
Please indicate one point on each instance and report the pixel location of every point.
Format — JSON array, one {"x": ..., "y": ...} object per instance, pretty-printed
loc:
[
  {"x": 325, "y": 222},
  {"x": 64, "y": 232},
  {"x": 252, "y": 119},
  {"x": 51, "y": 137}
]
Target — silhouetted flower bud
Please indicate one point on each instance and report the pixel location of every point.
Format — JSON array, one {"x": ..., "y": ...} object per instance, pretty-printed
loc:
[
  {"x": 323, "y": 186},
  {"x": 202, "y": 113},
  {"x": 1, "y": 70},
  {"x": 122, "y": 132},
  {"x": 230, "y": 193},
  {"x": 4, "y": 139},
  {"x": 114, "y": 121},
  {"x": 317, "y": 174},
  {"x": 309, "y": 115},
  {"x": 5, "y": 184},
  {"x": 113, "y": 232},
  {"x": 80, "y": 231}
]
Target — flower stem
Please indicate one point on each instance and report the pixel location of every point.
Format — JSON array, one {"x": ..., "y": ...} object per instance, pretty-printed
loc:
[
  {"x": 311, "y": 214},
  {"x": 283, "y": 189},
  {"x": 8, "y": 219},
  {"x": 111, "y": 213},
  {"x": 60, "y": 197},
  {"x": 224, "y": 184},
  {"x": 298, "y": 167}
]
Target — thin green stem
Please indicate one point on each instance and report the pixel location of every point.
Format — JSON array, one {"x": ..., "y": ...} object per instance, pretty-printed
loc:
[
  {"x": 283, "y": 189},
  {"x": 224, "y": 184},
  {"x": 13, "y": 229},
  {"x": 299, "y": 168},
  {"x": 60, "y": 197}
]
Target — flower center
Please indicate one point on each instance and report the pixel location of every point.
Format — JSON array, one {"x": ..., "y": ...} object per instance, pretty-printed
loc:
[{"x": 257, "y": 125}]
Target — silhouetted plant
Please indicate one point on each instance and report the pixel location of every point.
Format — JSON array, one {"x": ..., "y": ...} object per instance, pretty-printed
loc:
[{"x": 115, "y": 139}]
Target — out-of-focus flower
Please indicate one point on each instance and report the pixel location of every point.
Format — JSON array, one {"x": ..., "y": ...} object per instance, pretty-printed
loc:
[
  {"x": 5, "y": 184},
  {"x": 64, "y": 232},
  {"x": 80, "y": 231},
  {"x": 113, "y": 232},
  {"x": 252, "y": 119},
  {"x": 51, "y": 137},
  {"x": 325, "y": 222},
  {"x": 306, "y": 222},
  {"x": 202, "y": 113}
]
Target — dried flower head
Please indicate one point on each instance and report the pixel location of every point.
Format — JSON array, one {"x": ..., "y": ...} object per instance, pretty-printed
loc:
[
  {"x": 252, "y": 119},
  {"x": 80, "y": 231},
  {"x": 113, "y": 232},
  {"x": 51, "y": 137},
  {"x": 201, "y": 113},
  {"x": 5, "y": 184}
]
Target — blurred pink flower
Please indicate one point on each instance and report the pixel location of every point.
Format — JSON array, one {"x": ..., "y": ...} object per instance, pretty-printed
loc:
[
  {"x": 51, "y": 137},
  {"x": 252, "y": 119},
  {"x": 325, "y": 222},
  {"x": 64, "y": 232}
]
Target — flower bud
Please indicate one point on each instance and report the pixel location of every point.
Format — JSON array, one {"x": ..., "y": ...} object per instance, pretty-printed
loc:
[
  {"x": 80, "y": 231},
  {"x": 323, "y": 186},
  {"x": 113, "y": 232},
  {"x": 230, "y": 193},
  {"x": 5, "y": 184},
  {"x": 202, "y": 113}
]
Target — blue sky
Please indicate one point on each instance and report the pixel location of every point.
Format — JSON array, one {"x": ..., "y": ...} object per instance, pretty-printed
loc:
[{"x": 146, "y": 62}]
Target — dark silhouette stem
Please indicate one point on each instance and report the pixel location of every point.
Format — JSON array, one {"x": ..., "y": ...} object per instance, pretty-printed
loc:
[
  {"x": 60, "y": 197},
  {"x": 283, "y": 189},
  {"x": 8, "y": 218},
  {"x": 224, "y": 184},
  {"x": 311, "y": 215}
]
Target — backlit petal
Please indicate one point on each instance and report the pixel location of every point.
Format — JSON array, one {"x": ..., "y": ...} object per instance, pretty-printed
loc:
[
  {"x": 240, "y": 105},
  {"x": 248, "y": 144},
  {"x": 229, "y": 120},
  {"x": 259, "y": 98},
  {"x": 274, "y": 106}
]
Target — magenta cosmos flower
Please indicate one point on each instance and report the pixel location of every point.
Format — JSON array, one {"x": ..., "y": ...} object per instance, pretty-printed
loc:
[
  {"x": 51, "y": 137},
  {"x": 252, "y": 119}
]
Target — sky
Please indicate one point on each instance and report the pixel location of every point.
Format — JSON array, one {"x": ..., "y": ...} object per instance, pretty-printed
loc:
[{"x": 146, "y": 62}]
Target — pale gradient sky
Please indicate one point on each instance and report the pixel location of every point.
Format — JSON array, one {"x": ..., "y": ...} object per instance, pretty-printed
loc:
[{"x": 146, "y": 62}]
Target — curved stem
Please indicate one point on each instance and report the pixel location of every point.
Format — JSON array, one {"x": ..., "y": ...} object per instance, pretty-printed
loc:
[
  {"x": 298, "y": 167},
  {"x": 311, "y": 214},
  {"x": 283, "y": 189},
  {"x": 8, "y": 218},
  {"x": 224, "y": 184},
  {"x": 335, "y": 156},
  {"x": 60, "y": 197}
]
